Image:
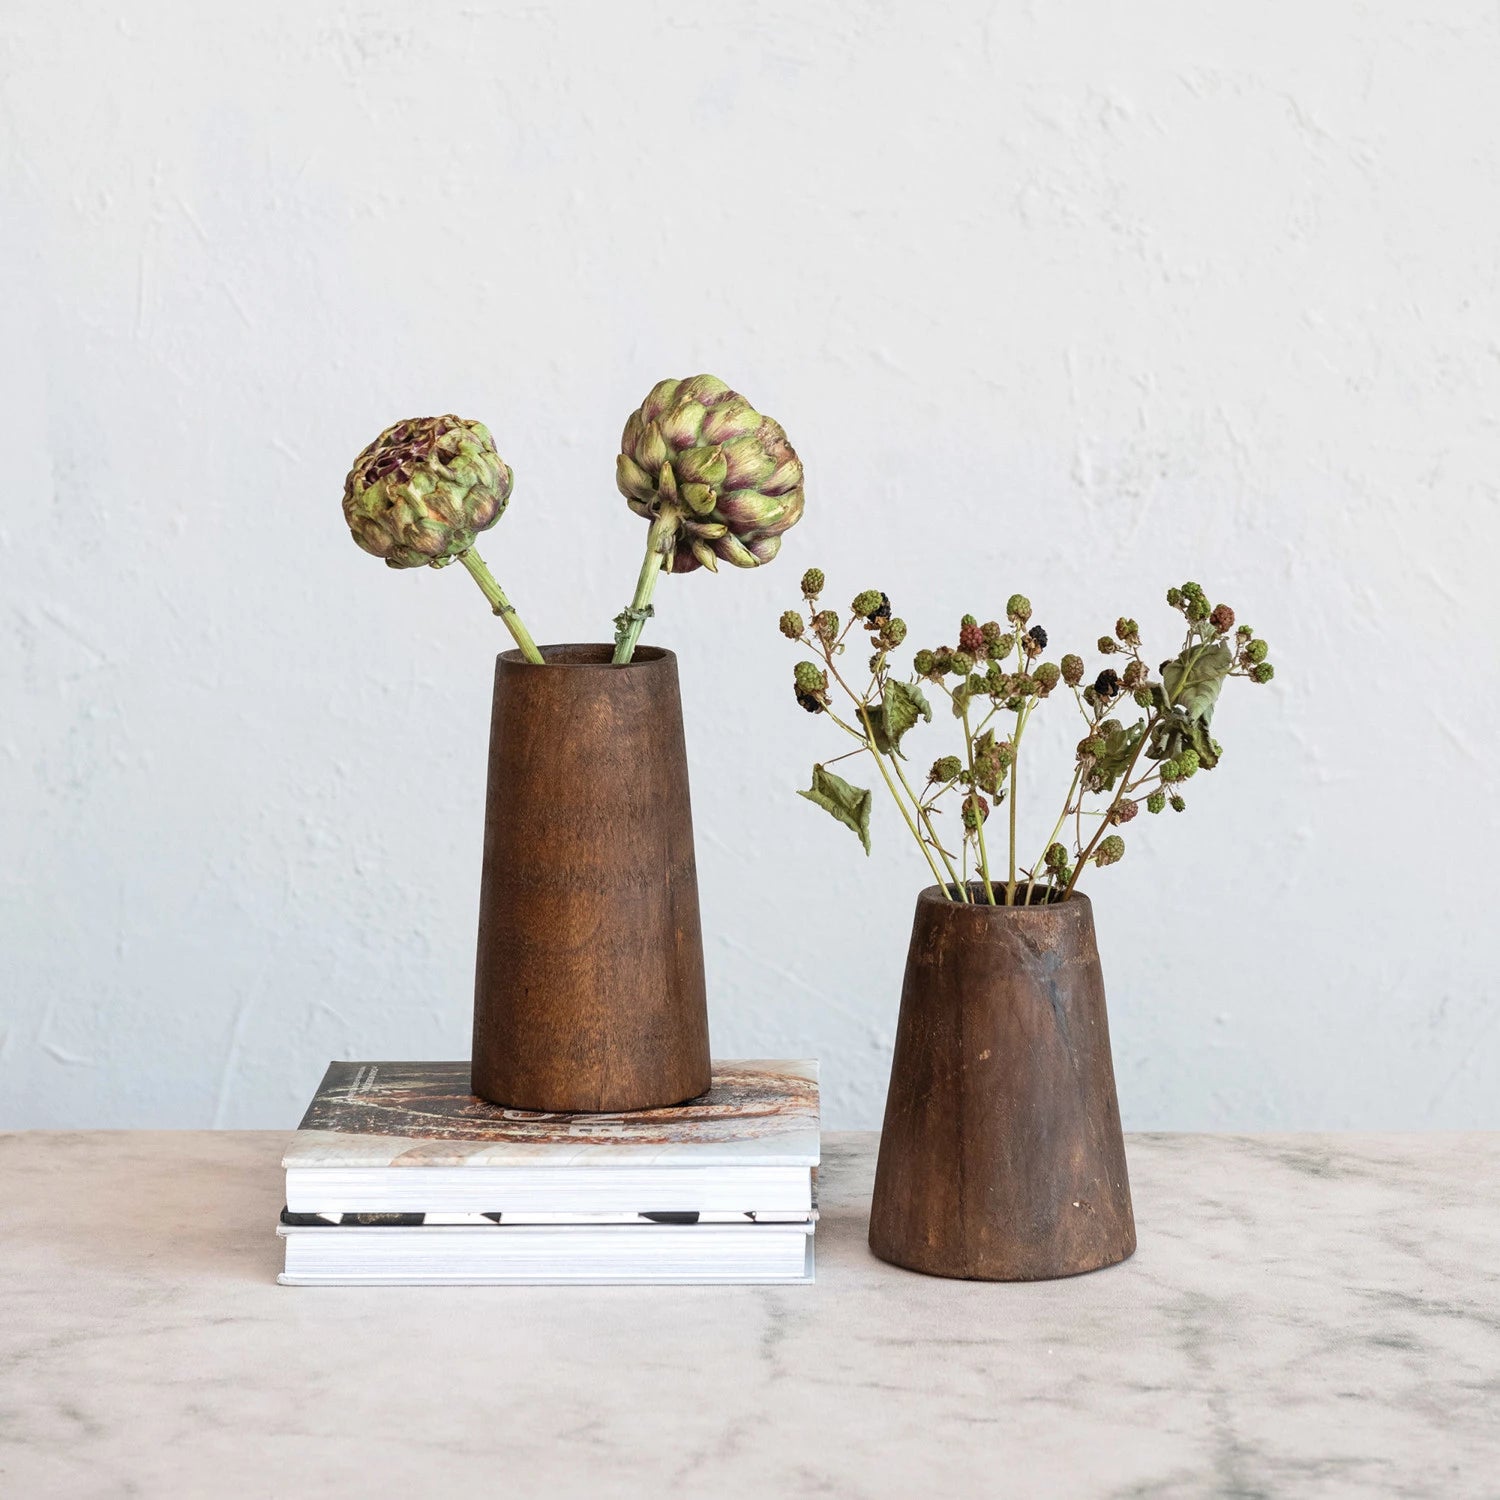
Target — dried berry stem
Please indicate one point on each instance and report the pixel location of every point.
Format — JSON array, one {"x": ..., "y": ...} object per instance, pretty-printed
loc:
[
  {"x": 984, "y": 859},
  {"x": 890, "y": 786},
  {"x": 500, "y": 604},
  {"x": 1104, "y": 823}
]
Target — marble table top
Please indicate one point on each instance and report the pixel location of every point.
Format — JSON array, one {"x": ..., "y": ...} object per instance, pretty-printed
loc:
[{"x": 1306, "y": 1316}]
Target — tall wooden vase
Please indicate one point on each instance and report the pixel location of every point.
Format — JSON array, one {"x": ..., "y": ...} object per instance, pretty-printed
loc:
[
  {"x": 588, "y": 988},
  {"x": 1002, "y": 1158}
]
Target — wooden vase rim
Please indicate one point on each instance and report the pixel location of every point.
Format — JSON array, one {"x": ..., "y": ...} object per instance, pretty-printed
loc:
[
  {"x": 932, "y": 896},
  {"x": 591, "y": 655}
]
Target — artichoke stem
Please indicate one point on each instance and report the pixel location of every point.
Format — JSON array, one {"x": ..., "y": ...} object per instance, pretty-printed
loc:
[
  {"x": 500, "y": 604},
  {"x": 659, "y": 541}
]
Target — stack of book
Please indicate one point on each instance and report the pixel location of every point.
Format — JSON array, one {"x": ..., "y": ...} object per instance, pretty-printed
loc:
[{"x": 400, "y": 1175}]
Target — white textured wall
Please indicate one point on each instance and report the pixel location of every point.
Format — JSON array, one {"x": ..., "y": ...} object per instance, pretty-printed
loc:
[{"x": 1077, "y": 299}]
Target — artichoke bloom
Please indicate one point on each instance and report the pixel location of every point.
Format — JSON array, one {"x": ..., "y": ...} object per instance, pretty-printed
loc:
[
  {"x": 421, "y": 493},
  {"x": 722, "y": 477}
]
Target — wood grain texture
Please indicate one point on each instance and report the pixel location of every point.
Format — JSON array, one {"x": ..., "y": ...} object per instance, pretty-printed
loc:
[
  {"x": 1002, "y": 1158},
  {"x": 588, "y": 987}
]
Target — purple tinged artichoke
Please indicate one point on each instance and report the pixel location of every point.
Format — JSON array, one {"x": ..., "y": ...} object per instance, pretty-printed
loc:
[
  {"x": 421, "y": 493},
  {"x": 698, "y": 451}
]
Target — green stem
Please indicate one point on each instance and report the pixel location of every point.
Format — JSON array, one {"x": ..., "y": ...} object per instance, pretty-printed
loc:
[
  {"x": 890, "y": 785},
  {"x": 984, "y": 858},
  {"x": 500, "y": 604},
  {"x": 659, "y": 541},
  {"x": 1015, "y": 762},
  {"x": 932, "y": 837},
  {"x": 1062, "y": 817},
  {"x": 1104, "y": 824}
]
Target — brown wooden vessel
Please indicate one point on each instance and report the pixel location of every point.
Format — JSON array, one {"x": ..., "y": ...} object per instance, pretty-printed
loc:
[
  {"x": 1002, "y": 1157},
  {"x": 588, "y": 987}
]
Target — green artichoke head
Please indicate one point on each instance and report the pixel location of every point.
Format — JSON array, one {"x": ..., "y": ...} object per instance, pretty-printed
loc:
[
  {"x": 698, "y": 454},
  {"x": 424, "y": 489}
]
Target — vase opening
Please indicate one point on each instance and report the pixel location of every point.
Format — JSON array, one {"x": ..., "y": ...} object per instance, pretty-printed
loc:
[
  {"x": 588, "y": 654},
  {"x": 1040, "y": 896}
]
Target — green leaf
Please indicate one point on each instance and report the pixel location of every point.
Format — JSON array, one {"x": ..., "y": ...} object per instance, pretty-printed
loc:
[
  {"x": 1119, "y": 748},
  {"x": 1192, "y": 691},
  {"x": 1194, "y": 679},
  {"x": 901, "y": 706},
  {"x": 849, "y": 804}
]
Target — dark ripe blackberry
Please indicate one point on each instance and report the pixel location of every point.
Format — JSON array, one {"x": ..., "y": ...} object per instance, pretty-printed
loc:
[
  {"x": 810, "y": 702},
  {"x": 1037, "y": 634},
  {"x": 880, "y": 614},
  {"x": 1107, "y": 683},
  {"x": 971, "y": 639}
]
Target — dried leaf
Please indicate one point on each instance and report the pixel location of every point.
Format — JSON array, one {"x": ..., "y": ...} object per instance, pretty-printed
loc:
[{"x": 849, "y": 804}]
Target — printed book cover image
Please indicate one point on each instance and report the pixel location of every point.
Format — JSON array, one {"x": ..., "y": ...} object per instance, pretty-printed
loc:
[{"x": 423, "y": 1114}]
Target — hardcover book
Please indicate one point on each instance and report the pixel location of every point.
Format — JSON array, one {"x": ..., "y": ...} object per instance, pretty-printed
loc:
[{"x": 401, "y": 1137}]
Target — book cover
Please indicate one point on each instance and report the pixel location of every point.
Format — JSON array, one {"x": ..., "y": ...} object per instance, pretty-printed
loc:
[{"x": 423, "y": 1114}]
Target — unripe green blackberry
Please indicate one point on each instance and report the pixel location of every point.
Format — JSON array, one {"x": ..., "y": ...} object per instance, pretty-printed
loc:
[
  {"x": 1264, "y": 672},
  {"x": 1256, "y": 651},
  {"x": 942, "y": 660},
  {"x": 962, "y": 663},
  {"x": 1221, "y": 617},
  {"x": 970, "y": 636},
  {"x": 1168, "y": 771},
  {"x": 811, "y": 685},
  {"x": 1072, "y": 669},
  {"x": 1142, "y": 697},
  {"x": 1174, "y": 598},
  {"x": 1023, "y": 685},
  {"x": 1197, "y": 609},
  {"x": 1056, "y": 857},
  {"x": 1194, "y": 591},
  {"x": 1134, "y": 675},
  {"x": 996, "y": 681},
  {"x": 893, "y": 633},
  {"x": 991, "y": 632},
  {"x": 792, "y": 625},
  {"x": 1179, "y": 804},
  {"x": 1187, "y": 764},
  {"x": 1018, "y": 608},
  {"x": 1001, "y": 647},
  {"x": 826, "y": 624},
  {"x": 1243, "y": 632},
  {"x": 1110, "y": 851},
  {"x": 1046, "y": 677},
  {"x": 922, "y": 664},
  {"x": 812, "y": 583},
  {"x": 1090, "y": 745},
  {"x": 976, "y": 810},
  {"x": 946, "y": 769},
  {"x": 1128, "y": 631},
  {"x": 1106, "y": 644},
  {"x": 1156, "y": 802}
]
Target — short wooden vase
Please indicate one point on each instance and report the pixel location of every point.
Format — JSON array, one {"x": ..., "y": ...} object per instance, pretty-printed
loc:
[
  {"x": 1002, "y": 1157},
  {"x": 588, "y": 988}
]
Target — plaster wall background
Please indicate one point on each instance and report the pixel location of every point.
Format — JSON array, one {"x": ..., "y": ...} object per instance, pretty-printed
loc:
[{"x": 1078, "y": 300}]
